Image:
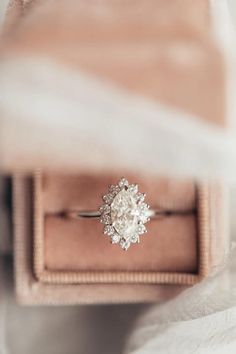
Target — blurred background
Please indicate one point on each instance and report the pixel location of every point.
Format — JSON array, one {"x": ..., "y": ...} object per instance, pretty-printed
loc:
[{"x": 58, "y": 330}]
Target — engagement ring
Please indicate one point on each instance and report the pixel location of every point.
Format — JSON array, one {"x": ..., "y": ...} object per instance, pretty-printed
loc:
[{"x": 124, "y": 214}]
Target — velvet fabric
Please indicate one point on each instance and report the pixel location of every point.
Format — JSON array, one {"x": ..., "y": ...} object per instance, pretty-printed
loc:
[
  {"x": 51, "y": 262},
  {"x": 80, "y": 244}
]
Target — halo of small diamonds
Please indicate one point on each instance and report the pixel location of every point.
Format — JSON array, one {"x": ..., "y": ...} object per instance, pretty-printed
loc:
[{"x": 124, "y": 213}]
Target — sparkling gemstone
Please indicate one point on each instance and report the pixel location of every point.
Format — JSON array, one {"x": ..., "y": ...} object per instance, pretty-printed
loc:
[
  {"x": 125, "y": 214},
  {"x": 109, "y": 230},
  {"x": 124, "y": 244},
  {"x": 143, "y": 212},
  {"x": 133, "y": 188},
  {"x": 105, "y": 219},
  {"x": 114, "y": 189},
  {"x": 115, "y": 238},
  {"x": 140, "y": 197},
  {"x": 105, "y": 208},
  {"x": 135, "y": 239},
  {"x": 141, "y": 229},
  {"x": 123, "y": 183},
  {"x": 108, "y": 198}
]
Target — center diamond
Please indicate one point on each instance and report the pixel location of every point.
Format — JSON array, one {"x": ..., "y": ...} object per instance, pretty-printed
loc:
[{"x": 124, "y": 214}]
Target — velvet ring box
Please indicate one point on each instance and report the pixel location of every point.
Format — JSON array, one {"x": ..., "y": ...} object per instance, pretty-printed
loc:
[
  {"x": 166, "y": 51},
  {"x": 59, "y": 260}
]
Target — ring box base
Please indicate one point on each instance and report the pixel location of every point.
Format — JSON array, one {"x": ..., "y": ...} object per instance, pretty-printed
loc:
[{"x": 43, "y": 278}]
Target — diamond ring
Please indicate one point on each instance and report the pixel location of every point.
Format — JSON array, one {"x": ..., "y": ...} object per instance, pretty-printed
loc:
[{"x": 124, "y": 213}]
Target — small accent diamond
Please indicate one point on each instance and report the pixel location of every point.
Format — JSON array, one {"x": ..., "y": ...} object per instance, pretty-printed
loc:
[
  {"x": 143, "y": 210},
  {"x": 114, "y": 189},
  {"x": 108, "y": 198},
  {"x": 124, "y": 244},
  {"x": 105, "y": 208},
  {"x": 133, "y": 188},
  {"x": 123, "y": 183},
  {"x": 135, "y": 239},
  {"x": 115, "y": 238},
  {"x": 141, "y": 229},
  {"x": 105, "y": 219},
  {"x": 141, "y": 197},
  {"x": 109, "y": 230}
]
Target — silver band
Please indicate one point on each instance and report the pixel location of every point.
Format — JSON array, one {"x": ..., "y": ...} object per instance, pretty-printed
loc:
[
  {"x": 151, "y": 213},
  {"x": 97, "y": 214}
]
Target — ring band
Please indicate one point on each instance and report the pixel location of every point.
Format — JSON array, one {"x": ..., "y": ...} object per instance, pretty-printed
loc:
[
  {"x": 75, "y": 214},
  {"x": 124, "y": 214}
]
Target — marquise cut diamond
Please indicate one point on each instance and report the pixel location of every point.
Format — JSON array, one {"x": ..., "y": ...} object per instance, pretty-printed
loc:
[{"x": 124, "y": 213}]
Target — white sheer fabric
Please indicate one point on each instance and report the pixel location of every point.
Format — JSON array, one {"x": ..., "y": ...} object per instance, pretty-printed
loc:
[{"x": 76, "y": 110}]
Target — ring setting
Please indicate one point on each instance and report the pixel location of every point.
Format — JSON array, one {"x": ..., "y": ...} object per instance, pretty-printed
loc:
[{"x": 124, "y": 214}]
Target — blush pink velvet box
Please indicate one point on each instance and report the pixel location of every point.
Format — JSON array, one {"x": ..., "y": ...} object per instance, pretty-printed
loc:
[
  {"x": 59, "y": 261},
  {"x": 68, "y": 262}
]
